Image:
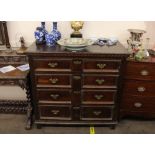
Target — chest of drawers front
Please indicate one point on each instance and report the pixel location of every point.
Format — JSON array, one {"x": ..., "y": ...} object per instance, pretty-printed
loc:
[
  {"x": 139, "y": 90},
  {"x": 75, "y": 90}
]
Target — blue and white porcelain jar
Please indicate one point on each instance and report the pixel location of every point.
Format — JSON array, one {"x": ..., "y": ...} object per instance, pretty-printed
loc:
[
  {"x": 40, "y": 34},
  {"x": 54, "y": 36}
]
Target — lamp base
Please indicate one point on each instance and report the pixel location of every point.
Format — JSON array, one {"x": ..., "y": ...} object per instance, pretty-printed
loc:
[{"x": 74, "y": 35}]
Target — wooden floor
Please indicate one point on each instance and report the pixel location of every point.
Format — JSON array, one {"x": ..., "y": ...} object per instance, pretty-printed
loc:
[{"x": 14, "y": 124}]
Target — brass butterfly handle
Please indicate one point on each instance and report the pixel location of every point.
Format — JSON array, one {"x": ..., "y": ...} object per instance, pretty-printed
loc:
[
  {"x": 53, "y": 80},
  {"x": 141, "y": 89},
  {"x": 100, "y": 81},
  {"x": 77, "y": 62},
  {"x": 97, "y": 113},
  {"x": 101, "y": 66},
  {"x": 55, "y": 96},
  {"x": 98, "y": 97},
  {"x": 53, "y": 65},
  {"x": 55, "y": 112}
]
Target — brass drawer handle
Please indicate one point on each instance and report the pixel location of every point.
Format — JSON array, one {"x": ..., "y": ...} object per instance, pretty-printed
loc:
[
  {"x": 144, "y": 72},
  {"x": 77, "y": 77},
  {"x": 55, "y": 112},
  {"x": 100, "y": 81},
  {"x": 55, "y": 96},
  {"x": 53, "y": 65},
  {"x": 98, "y": 97},
  {"x": 141, "y": 89},
  {"x": 101, "y": 66},
  {"x": 77, "y": 62},
  {"x": 138, "y": 105},
  {"x": 54, "y": 80},
  {"x": 97, "y": 113}
]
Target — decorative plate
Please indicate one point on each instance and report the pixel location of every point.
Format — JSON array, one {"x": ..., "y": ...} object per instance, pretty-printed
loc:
[{"x": 75, "y": 44}]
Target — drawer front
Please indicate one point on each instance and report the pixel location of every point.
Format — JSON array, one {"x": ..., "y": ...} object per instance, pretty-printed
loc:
[
  {"x": 96, "y": 113},
  {"x": 53, "y": 80},
  {"x": 140, "y": 70},
  {"x": 55, "y": 112},
  {"x": 98, "y": 97},
  {"x": 54, "y": 96},
  {"x": 136, "y": 103},
  {"x": 52, "y": 64},
  {"x": 139, "y": 87},
  {"x": 100, "y": 81},
  {"x": 101, "y": 66}
]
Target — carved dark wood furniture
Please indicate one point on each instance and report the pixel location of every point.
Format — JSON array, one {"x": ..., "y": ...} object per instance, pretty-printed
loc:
[
  {"x": 4, "y": 39},
  {"x": 138, "y": 99},
  {"x": 76, "y": 88},
  {"x": 12, "y": 78}
]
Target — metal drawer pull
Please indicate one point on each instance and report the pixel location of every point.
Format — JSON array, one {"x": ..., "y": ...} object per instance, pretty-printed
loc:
[
  {"x": 144, "y": 72},
  {"x": 97, "y": 113},
  {"x": 98, "y": 97},
  {"x": 53, "y": 81},
  {"x": 54, "y": 96},
  {"x": 101, "y": 66},
  {"x": 100, "y": 81},
  {"x": 77, "y": 62},
  {"x": 77, "y": 77},
  {"x": 53, "y": 65},
  {"x": 138, "y": 105},
  {"x": 141, "y": 89},
  {"x": 55, "y": 112}
]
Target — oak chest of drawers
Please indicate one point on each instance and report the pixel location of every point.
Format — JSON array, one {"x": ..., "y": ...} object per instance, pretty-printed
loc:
[
  {"x": 76, "y": 88},
  {"x": 138, "y": 97}
]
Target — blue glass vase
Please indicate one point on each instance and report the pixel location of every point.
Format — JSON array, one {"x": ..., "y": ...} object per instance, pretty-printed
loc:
[
  {"x": 54, "y": 36},
  {"x": 40, "y": 34}
]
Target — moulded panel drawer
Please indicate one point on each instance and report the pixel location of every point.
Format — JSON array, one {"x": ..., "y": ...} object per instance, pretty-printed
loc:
[
  {"x": 98, "y": 97},
  {"x": 102, "y": 66},
  {"x": 97, "y": 113},
  {"x": 55, "y": 112},
  {"x": 53, "y": 96},
  {"x": 100, "y": 81},
  {"x": 52, "y": 64},
  {"x": 53, "y": 80}
]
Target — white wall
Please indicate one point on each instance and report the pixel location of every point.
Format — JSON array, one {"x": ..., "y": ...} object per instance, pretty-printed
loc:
[{"x": 90, "y": 29}]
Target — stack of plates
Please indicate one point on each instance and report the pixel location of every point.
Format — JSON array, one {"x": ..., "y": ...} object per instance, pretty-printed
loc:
[{"x": 75, "y": 44}]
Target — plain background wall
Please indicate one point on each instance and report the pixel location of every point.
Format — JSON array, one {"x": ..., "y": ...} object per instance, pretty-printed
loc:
[{"x": 91, "y": 29}]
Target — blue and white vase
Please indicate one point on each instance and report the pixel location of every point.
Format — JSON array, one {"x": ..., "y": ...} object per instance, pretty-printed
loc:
[
  {"x": 40, "y": 34},
  {"x": 54, "y": 36}
]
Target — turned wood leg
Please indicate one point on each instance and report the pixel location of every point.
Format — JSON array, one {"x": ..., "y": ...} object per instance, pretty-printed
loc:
[{"x": 29, "y": 107}]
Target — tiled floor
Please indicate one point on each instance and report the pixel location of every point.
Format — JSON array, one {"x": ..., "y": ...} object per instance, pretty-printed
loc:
[{"x": 15, "y": 124}]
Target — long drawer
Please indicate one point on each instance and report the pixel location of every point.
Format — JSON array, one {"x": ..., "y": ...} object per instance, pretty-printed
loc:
[
  {"x": 136, "y": 103},
  {"x": 54, "y": 80},
  {"x": 140, "y": 70},
  {"x": 98, "y": 96},
  {"x": 54, "y": 96},
  {"x": 99, "y": 81},
  {"x": 53, "y": 112},
  {"x": 97, "y": 113},
  {"x": 141, "y": 88}
]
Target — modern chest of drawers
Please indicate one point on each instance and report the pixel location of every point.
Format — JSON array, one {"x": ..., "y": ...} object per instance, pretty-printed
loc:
[
  {"x": 76, "y": 88},
  {"x": 138, "y": 97}
]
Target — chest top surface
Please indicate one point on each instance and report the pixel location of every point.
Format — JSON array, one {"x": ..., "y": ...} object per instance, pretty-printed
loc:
[{"x": 118, "y": 49}]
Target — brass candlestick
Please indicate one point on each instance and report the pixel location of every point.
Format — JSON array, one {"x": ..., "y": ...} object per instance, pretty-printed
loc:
[{"x": 76, "y": 26}]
